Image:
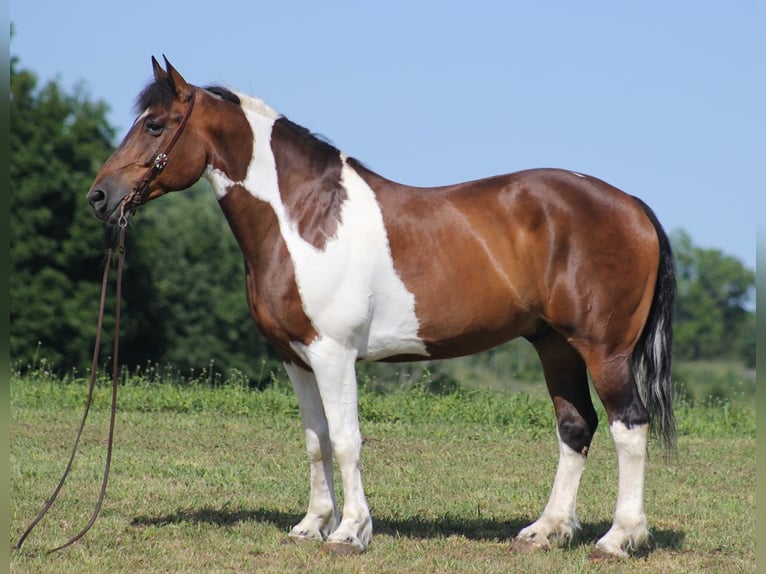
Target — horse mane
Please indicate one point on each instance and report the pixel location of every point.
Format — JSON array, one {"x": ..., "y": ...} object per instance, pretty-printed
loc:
[
  {"x": 224, "y": 94},
  {"x": 161, "y": 93},
  {"x": 317, "y": 141}
]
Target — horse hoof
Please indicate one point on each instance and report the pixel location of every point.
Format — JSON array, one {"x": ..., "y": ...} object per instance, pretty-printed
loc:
[
  {"x": 601, "y": 555},
  {"x": 526, "y": 546},
  {"x": 341, "y": 549}
]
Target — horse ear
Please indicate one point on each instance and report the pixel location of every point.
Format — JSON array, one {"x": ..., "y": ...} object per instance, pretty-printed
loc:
[
  {"x": 183, "y": 90},
  {"x": 159, "y": 73}
]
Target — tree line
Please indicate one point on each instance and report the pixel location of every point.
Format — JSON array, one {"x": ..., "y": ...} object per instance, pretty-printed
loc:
[{"x": 184, "y": 300}]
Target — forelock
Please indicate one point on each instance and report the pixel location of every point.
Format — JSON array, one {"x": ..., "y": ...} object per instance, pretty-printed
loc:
[{"x": 158, "y": 93}]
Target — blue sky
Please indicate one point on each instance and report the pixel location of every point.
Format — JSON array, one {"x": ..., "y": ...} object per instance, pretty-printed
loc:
[{"x": 662, "y": 99}]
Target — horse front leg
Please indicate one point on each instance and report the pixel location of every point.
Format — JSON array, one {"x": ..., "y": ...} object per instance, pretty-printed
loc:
[
  {"x": 334, "y": 367},
  {"x": 322, "y": 515}
]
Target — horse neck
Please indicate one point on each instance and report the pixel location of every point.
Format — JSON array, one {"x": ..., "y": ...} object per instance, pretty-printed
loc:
[
  {"x": 309, "y": 177},
  {"x": 271, "y": 175},
  {"x": 289, "y": 172}
]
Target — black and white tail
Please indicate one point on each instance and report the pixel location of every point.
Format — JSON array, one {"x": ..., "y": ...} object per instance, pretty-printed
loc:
[{"x": 652, "y": 356}]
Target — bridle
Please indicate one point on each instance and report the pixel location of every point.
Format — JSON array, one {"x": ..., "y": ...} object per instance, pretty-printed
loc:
[
  {"x": 136, "y": 197},
  {"x": 138, "y": 194}
]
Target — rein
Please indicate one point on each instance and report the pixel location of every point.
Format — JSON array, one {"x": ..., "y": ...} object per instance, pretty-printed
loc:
[
  {"x": 91, "y": 386},
  {"x": 136, "y": 197}
]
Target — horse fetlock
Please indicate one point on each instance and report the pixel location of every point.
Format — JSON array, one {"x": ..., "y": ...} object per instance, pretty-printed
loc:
[
  {"x": 545, "y": 534},
  {"x": 305, "y": 534},
  {"x": 356, "y": 534},
  {"x": 621, "y": 540},
  {"x": 315, "y": 527}
]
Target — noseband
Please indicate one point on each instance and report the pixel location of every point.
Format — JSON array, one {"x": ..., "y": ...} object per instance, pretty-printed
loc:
[{"x": 138, "y": 194}]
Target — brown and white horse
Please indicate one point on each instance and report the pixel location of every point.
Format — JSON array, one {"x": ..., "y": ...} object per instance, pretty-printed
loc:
[{"x": 343, "y": 265}]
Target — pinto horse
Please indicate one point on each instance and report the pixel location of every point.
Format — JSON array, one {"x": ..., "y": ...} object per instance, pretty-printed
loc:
[{"x": 344, "y": 265}]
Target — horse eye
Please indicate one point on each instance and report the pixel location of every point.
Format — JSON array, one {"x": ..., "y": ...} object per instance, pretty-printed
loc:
[{"x": 153, "y": 128}]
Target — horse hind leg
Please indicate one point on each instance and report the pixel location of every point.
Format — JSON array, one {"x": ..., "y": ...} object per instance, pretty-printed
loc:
[
  {"x": 629, "y": 425},
  {"x": 567, "y": 381}
]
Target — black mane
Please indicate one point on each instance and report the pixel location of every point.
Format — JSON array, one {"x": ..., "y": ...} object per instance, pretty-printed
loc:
[
  {"x": 161, "y": 93},
  {"x": 224, "y": 94},
  {"x": 316, "y": 141}
]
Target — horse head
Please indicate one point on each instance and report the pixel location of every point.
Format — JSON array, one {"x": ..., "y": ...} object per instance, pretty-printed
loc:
[{"x": 166, "y": 133}]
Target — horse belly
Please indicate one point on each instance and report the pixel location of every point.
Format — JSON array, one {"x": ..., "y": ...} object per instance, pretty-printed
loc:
[
  {"x": 472, "y": 326},
  {"x": 472, "y": 279}
]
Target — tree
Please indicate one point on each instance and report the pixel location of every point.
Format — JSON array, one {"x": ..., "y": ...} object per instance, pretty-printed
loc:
[
  {"x": 57, "y": 142},
  {"x": 714, "y": 291}
]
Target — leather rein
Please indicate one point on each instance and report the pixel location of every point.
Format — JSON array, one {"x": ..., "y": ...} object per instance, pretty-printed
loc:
[{"x": 136, "y": 197}]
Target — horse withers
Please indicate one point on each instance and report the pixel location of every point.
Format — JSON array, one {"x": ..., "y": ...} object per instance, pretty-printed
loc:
[{"x": 344, "y": 265}]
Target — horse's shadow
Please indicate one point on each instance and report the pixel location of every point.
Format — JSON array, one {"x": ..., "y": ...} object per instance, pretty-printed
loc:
[{"x": 478, "y": 528}]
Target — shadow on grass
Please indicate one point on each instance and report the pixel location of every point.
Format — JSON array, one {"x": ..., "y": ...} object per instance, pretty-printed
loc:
[{"x": 489, "y": 529}]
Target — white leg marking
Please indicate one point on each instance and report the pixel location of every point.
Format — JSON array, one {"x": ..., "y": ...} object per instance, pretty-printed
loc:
[
  {"x": 558, "y": 521},
  {"x": 629, "y": 529},
  {"x": 333, "y": 365},
  {"x": 322, "y": 516}
]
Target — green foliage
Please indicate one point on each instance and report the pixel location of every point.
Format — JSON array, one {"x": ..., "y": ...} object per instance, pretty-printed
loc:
[
  {"x": 714, "y": 291},
  {"x": 57, "y": 142},
  {"x": 728, "y": 412},
  {"x": 711, "y": 382},
  {"x": 747, "y": 341}
]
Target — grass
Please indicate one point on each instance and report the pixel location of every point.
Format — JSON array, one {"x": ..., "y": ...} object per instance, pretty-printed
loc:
[{"x": 211, "y": 479}]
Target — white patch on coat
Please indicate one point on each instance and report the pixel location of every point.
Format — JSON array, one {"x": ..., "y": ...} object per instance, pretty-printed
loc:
[{"x": 349, "y": 289}]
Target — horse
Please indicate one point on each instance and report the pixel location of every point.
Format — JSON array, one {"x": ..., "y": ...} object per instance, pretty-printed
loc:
[{"x": 343, "y": 265}]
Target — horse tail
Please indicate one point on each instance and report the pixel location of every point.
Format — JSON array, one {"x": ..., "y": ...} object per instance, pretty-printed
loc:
[{"x": 652, "y": 356}]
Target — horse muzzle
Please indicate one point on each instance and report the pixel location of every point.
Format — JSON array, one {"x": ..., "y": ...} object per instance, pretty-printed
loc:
[{"x": 106, "y": 205}]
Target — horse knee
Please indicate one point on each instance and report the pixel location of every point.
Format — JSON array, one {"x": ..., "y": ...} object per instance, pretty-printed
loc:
[{"x": 577, "y": 432}]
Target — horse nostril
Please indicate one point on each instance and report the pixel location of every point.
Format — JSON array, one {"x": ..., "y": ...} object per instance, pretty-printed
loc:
[{"x": 96, "y": 198}]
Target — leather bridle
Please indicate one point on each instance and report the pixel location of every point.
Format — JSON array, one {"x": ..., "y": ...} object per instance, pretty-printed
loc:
[{"x": 136, "y": 197}]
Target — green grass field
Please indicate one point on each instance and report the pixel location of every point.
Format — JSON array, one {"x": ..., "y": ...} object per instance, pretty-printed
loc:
[{"x": 211, "y": 480}]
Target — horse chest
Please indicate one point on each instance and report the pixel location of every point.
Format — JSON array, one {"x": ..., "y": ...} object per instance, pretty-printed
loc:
[{"x": 349, "y": 289}]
